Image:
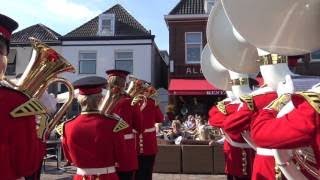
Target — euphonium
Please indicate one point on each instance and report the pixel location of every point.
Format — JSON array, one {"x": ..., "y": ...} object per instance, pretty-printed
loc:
[
  {"x": 107, "y": 104},
  {"x": 135, "y": 90},
  {"x": 152, "y": 93},
  {"x": 42, "y": 70}
]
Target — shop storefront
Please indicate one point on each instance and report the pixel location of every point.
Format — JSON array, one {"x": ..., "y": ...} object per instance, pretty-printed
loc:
[{"x": 193, "y": 96}]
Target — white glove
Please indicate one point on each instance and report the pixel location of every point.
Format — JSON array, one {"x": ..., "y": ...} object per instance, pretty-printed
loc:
[
  {"x": 230, "y": 95},
  {"x": 285, "y": 87},
  {"x": 221, "y": 141},
  {"x": 178, "y": 140},
  {"x": 315, "y": 88},
  {"x": 49, "y": 101}
]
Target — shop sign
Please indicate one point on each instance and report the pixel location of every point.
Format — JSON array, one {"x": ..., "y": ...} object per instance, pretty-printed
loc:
[
  {"x": 193, "y": 70},
  {"x": 215, "y": 92}
]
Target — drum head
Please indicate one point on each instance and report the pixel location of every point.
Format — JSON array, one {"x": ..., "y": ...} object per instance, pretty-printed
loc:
[
  {"x": 213, "y": 71},
  {"x": 285, "y": 27},
  {"x": 230, "y": 49}
]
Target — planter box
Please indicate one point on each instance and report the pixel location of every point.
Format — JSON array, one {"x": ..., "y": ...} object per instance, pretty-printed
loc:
[
  {"x": 197, "y": 159},
  {"x": 168, "y": 159},
  {"x": 218, "y": 160}
]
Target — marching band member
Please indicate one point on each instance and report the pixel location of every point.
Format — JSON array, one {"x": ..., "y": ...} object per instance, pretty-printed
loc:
[
  {"x": 133, "y": 116},
  {"x": 238, "y": 154},
  {"x": 147, "y": 141},
  {"x": 49, "y": 101},
  {"x": 298, "y": 128},
  {"x": 21, "y": 151},
  {"x": 273, "y": 70},
  {"x": 92, "y": 141}
]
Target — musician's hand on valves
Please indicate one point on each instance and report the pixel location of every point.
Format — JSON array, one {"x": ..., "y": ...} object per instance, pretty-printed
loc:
[{"x": 285, "y": 87}]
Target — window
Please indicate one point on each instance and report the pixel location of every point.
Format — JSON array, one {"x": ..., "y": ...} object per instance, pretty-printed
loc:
[
  {"x": 193, "y": 47},
  {"x": 106, "y": 25},
  {"x": 87, "y": 62},
  {"x": 11, "y": 66},
  {"x": 124, "y": 60},
  {"x": 315, "y": 56},
  {"x": 208, "y": 5}
]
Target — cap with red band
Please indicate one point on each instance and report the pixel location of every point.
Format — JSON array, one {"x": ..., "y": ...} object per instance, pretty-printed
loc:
[
  {"x": 116, "y": 72},
  {"x": 7, "y": 26},
  {"x": 90, "y": 85}
]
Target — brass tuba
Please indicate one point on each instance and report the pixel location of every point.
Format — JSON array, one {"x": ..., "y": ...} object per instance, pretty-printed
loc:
[
  {"x": 152, "y": 93},
  {"x": 42, "y": 70},
  {"x": 107, "y": 104},
  {"x": 135, "y": 90}
]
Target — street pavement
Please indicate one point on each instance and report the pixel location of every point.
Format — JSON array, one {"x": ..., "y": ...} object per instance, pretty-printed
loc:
[{"x": 52, "y": 173}]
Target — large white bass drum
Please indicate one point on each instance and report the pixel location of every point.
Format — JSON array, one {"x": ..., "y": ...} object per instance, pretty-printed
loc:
[{"x": 285, "y": 27}]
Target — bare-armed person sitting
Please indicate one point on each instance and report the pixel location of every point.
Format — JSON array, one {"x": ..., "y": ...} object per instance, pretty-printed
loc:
[{"x": 176, "y": 131}]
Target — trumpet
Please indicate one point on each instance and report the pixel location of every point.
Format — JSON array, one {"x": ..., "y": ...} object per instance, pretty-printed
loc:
[{"x": 42, "y": 70}]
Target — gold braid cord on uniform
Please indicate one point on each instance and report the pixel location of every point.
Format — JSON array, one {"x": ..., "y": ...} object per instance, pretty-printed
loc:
[
  {"x": 278, "y": 103},
  {"x": 312, "y": 98},
  {"x": 120, "y": 126},
  {"x": 244, "y": 162},
  {"x": 59, "y": 129},
  {"x": 221, "y": 107},
  {"x": 278, "y": 174},
  {"x": 121, "y": 123},
  {"x": 29, "y": 108},
  {"x": 141, "y": 100},
  {"x": 249, "y": 100},
  {"x": 43, "y": 120}
]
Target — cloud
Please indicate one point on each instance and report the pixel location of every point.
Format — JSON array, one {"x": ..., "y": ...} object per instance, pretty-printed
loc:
[
  {"x": 66, "y": 10},
  {"x": 60, "y": 15}
]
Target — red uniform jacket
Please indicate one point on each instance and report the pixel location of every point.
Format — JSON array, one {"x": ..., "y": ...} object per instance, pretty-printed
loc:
[
  {"x": 21, "y": 152},
  {"x": 147, "y": 141},
  {"x": 89, "y": 141},
  {"x": 238, "y": 161},
  {"x": 298, "y": 128},
  {"x": 133, "y": 116},
  {"x": 264, "y": 166}
]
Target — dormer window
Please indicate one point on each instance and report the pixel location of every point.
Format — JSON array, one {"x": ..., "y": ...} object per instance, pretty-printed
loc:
[
  {"x": 208, "y": 5},
  {"x": 106, "y": 25}
]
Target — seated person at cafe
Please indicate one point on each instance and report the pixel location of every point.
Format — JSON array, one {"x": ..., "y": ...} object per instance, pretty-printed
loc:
[{"x": 176, "y": 131}]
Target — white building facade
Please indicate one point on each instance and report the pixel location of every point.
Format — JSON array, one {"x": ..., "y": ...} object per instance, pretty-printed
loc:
[
  {"x": 112, "y": 40},
  {"x": 95, "y": 57}
]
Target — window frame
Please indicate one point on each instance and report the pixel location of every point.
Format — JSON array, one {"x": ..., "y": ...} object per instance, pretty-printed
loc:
[
  {"x": 123, "y": 51},
  {"x": 186, "y": 47},
  {"x": 314, "y": 59},
  {"x": 12, "y": 63},
  {"x": 110, "y": 17},
  {"x": 207, "y": 3},
  {"x": 79, "y": 62}
]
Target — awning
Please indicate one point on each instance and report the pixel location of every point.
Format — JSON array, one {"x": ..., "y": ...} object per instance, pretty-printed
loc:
[{"x": 193, "y": 87}]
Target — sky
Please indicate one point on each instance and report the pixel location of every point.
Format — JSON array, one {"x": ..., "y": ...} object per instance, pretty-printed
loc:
[{"x": 64, "y": 16}]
